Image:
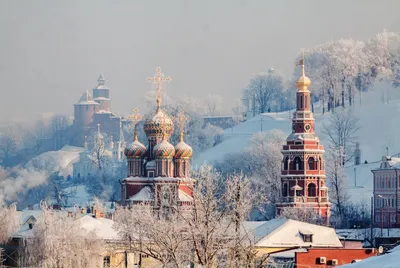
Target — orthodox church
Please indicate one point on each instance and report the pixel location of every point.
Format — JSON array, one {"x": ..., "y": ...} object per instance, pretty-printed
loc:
[
  {"x": 303, "y": 165},
  {"x": 95, "y": 108},
  {"x": 158, "y": 174}
]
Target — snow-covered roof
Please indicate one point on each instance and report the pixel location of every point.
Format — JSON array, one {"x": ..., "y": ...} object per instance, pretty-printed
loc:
[
  {"x": 390, "y": 260},
  {"x": 289, "y": 233},
  {"x": 86, "y": 99},
  {"x": 152, "y": 179},
  {"x": 143, "y": 195},
  {"x": 102, "y": 87},
  {"x": 184, "y": 196},
  {"x": 101, "y": 98},
  {"x": 103, "y": 228}
]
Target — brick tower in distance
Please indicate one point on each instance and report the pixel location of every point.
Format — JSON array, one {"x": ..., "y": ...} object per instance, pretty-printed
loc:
[{"x": 303, "y": 165}]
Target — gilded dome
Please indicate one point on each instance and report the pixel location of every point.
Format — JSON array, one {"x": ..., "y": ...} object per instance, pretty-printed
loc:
[
  {"x": 303, "y": 82},
  {"x": 159, "y": 125},
  {"x": 135, "y": 150},
  {"x": 183, "y": 151},
  {"x": 164, "y": 150}
]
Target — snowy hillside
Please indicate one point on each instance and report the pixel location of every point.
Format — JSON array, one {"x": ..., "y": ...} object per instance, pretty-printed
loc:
[
  {"x": 56, "y": 161},
  {"x": 379, "y": 126}
]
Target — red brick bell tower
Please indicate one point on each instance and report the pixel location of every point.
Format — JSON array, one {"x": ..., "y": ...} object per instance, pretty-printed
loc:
[{"x": 303, "y": 165}]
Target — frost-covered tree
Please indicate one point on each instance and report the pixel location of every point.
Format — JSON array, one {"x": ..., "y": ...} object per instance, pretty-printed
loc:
[
  {"x": 336, "y": 177},
  {"x": 264, "y": 88},
  {"x": 209, "y": 233},
  {"x": 213, "y": 104},
  {"x": 341, "y": 131},
  {"x": 60, "y": 242},
  {"x": 9, "y": 221},
  {"x": 163, "y": 239},
  {"x": 260, "y": 161},
  {"x": 305, "y": 214}
]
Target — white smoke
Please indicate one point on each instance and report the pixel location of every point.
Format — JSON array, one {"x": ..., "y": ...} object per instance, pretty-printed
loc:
[{"x": 19, "y": 180}]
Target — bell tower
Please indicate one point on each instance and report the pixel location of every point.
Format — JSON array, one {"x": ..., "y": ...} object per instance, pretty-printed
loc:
[{"x": 303, "y": 165}]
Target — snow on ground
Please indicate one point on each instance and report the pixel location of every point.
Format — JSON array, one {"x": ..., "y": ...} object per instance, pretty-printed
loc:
[
  {"x": 56, "y": 161},
  {"x": 79, "y": 196},
  {"x": 379, "y": 128}
]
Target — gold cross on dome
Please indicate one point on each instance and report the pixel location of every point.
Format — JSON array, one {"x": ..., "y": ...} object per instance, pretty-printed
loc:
[
  {"x": 158, "y": 79},
  {"x": 182, "y": 119},
  {"x": 135, "y": 117}
]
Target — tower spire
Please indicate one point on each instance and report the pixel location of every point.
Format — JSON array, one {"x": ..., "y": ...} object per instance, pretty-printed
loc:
[
  {"x": 101, "y": 81},
  {"x": 158, "y": 80}
]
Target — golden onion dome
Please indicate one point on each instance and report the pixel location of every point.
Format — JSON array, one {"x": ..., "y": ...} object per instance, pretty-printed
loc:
[
  {"x": 160, "y": 125},
  {"x": 164, "y": 150}
]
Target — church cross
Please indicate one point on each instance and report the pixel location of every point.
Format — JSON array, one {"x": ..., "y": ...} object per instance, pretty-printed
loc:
[
  {"x": 158, "y": 79},
  {"x": 135, "y": 117},
  {"x": 182, "y": 119}
]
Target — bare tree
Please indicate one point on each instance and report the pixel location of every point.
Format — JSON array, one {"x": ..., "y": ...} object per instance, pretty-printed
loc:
[{"x": 341, "y": 133}]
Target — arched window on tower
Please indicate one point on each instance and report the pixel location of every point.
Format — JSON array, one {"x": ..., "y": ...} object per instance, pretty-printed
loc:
[
  {"x": 311, "y": 164},
  {"x": 285, "y": 189},
  {"x": 286, "y": 163},
  {"x": 298, "y": 164},
  {"x": 312, "y": 190},
  {"x": 305, "y": 102},
  {"x": 301, "y": 102}
]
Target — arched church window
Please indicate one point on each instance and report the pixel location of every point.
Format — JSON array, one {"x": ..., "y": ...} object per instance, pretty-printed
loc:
[
  {"x": 286, "y": 163},
  {"x": 311, "y": 163},
  {"x": 285, "y": 189},
  {"x": 298, "y": 164},
  {"x": 312, "y": 190}
]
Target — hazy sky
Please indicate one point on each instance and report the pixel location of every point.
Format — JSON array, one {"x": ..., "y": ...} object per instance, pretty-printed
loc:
[{"x": 52, "y": 51}]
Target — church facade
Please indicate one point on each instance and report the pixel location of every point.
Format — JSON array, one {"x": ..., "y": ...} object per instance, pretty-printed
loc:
[
  {"x": 303, "y": 166},
  {"x": 159, "y": 173}
]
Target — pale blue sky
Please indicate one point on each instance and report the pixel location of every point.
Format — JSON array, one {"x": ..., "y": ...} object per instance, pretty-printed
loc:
[{"x": 51, "y": 51}]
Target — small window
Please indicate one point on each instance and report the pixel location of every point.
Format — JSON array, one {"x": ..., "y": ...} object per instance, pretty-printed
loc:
[
  {"x": 307, "y": 238},
  {"x": 150, "y": 174},
  {"x": 106, "y": 262}
]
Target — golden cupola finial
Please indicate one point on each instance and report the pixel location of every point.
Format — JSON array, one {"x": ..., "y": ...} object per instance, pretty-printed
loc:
[{"x": 303, "y": 82}]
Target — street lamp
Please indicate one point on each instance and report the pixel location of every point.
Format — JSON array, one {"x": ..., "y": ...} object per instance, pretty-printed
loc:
[{"x": 387, "y": 209}]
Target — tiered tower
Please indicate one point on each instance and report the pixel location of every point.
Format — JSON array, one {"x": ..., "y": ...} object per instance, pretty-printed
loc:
[
  {"x": 303, "y": 165},
  {"x": 158, "y": 174},
  {"x": 101, "y": 94}
]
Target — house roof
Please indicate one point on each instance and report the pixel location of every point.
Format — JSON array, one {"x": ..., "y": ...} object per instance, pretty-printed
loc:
[{"x": 284, "y": 232}]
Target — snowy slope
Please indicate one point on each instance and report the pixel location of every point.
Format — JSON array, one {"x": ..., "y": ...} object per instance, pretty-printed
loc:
[
  {"x": 379, "y": 128},
  {"x": 56, "y": 161}
]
